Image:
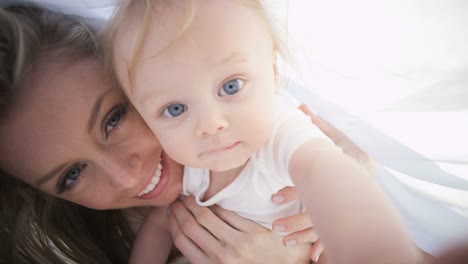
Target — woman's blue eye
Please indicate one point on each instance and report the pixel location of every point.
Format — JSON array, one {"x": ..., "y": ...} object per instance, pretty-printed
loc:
[
  {"x": 114, "y": 121},
  {"x": 174, "y": 110},
  {"x": 114, "y": 118},
  {"x": 231, "y": 87},
  {"x": 69, "y": 178}
]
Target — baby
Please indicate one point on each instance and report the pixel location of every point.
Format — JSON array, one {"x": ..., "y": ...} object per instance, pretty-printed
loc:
[{"x": 203, "y": 76}]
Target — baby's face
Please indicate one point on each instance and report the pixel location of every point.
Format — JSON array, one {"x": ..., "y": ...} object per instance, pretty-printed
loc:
[{"x": 207, "y": 94}]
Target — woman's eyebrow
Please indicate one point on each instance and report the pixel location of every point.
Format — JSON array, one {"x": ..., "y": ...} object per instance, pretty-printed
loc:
[
  {"x": 49, "y": 175},
  {"x": 95, "y": 110}
]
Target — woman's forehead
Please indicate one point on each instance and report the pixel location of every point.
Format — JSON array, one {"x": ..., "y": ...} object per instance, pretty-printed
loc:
[{"x": 54, "y": 86}]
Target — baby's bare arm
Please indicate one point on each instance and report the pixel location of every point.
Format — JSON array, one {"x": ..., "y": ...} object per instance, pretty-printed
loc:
[{"x": 352, "y": 217}]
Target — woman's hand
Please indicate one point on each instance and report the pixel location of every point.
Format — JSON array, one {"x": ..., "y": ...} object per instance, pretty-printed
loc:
[
  {"x": 214, "y": 235},
  {"x": 342, "y": 141},
  {"x": 300, "y": 226}
]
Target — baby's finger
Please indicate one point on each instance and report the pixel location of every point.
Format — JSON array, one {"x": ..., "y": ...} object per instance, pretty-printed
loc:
[
  {"x": 292, "y": 223},
  {"x": 285, "y": 195}
]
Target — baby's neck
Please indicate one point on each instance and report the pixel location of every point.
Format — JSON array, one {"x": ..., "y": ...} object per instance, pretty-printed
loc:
[{"x": 220, "y": 179}]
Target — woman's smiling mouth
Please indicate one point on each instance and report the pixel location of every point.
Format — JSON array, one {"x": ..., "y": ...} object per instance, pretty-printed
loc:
[{"x": 153, "y": 181}]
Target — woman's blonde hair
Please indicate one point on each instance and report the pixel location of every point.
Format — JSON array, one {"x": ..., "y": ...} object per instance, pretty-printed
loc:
[
  {"x": 36, "y": 227},
  {"x": 154, "y": 8}
]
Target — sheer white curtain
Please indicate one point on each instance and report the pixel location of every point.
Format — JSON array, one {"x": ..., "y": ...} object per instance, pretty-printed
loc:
[
  {"x": 392, "y": 75},
  {"x": 401, "y": 65}
]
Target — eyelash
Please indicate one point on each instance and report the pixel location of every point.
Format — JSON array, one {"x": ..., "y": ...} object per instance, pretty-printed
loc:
[
  {"x": 62, "y": 185},
  {"x": 122, "y": 111}
]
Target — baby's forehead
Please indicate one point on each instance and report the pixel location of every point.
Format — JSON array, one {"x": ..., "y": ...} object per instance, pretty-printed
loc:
[
  {"x": 206, "y": 33},
  {"x": 134, "y": 34}
]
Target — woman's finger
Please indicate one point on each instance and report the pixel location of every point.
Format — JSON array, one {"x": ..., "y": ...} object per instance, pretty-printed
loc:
[
  {"x": 236, "y": 221},
  {"x": 316, "y": 250},
  {"x": 305, "y": 236},
  {"x": 194, "y": 231},
  {"x": 285, "y": 195},
  {"x": 186, "y": 246},
  {"x": 211, "y": 222},
  {"x": 341, "y": 140},
  {"x": 292, "y": 223},
  {"x": 330, "y": 131}
]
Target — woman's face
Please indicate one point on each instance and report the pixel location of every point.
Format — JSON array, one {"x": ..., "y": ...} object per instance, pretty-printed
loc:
[{"x": 73, "y": 135}]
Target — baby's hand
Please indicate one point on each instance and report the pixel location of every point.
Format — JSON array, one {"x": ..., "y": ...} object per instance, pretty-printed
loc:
[{"x": 300, "y": 225}]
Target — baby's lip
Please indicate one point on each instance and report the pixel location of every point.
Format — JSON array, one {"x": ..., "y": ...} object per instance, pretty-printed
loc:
[{"x": 222, "y": 148}]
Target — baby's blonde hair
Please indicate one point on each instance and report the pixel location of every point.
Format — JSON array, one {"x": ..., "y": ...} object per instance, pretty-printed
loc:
[{"x": 152, "y": 8}]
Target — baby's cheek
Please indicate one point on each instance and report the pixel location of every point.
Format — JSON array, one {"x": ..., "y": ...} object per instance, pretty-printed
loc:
[
  {"x": 176, "y": 147},
  {"x": 147, "y": 118}
]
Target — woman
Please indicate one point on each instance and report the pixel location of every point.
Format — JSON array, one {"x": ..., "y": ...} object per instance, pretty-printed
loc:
[{"x": 60, "y": 114}]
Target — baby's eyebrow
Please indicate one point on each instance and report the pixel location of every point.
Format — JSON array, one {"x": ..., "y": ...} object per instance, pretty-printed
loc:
[{"x": 235, "y": 55}]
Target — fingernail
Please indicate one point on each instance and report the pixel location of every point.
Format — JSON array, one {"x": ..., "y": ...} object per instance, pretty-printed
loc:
[
  {"x": 317, "y": 253},
  {"x": 316, "y": 256},
  {"x": 279, "y": 228},
  {"x": 277, "y": 199},
  {"x": 290, "y": 242}
]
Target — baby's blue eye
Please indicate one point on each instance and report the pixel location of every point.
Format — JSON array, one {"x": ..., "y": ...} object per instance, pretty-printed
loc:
[
  {"x": 174, "y": 110},
  {"x": 231, "y": 87}
]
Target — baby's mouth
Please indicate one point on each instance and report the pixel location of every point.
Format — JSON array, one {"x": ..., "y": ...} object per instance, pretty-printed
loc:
[{"x": 153, "y": 182}]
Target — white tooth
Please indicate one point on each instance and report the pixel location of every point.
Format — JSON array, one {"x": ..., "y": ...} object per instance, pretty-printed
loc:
[
  {"x": 155, "y": 180},
  {"x": 151, "y": 186}
]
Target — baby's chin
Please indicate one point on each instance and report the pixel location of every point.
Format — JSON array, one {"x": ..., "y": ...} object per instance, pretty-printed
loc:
[{"x": 221, "y": 166}]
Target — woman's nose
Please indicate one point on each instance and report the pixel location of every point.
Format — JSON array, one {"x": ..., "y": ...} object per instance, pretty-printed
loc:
[
  {"x": 134, "y": 162},
  {"x": 124, "y": 171}
]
